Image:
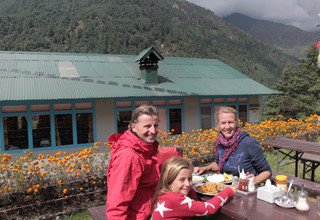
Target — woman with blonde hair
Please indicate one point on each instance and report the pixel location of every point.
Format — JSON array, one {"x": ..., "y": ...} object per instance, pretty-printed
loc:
[
  {"x": 175, "y": 197},
  {"x": 236, "y": 150}
]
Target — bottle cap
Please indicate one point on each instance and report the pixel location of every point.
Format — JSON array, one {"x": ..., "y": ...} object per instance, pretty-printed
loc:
[
  {"x": 242, "y": 175},
  {"x": 281, "y": 177}
]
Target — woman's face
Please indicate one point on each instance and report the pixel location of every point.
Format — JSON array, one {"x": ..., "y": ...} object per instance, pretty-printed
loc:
[
  {"x": 146, "y": 128},
  {"x": 183, "y": 182},
  {"x": 227, "y": 124}
]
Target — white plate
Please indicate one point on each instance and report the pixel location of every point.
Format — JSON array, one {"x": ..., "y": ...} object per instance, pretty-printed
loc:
[
  {"x": 197, "y": 179},
  {"x": 195, "y": 187},
  {"x": 217, "y": 178},
  {"x": 287, "y": 206}
]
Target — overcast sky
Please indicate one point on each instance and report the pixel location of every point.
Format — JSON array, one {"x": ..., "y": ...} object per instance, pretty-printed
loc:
[{"x": 300, "y": 13}]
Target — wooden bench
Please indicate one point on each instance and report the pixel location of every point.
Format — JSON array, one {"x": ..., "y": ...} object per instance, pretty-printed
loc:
[
  {"x": 313, "y": 188},
  {"x": 310, "y": 163}
]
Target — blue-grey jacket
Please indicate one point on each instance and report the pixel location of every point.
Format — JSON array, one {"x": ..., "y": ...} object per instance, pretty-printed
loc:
[{"x": 248, "y": 156}]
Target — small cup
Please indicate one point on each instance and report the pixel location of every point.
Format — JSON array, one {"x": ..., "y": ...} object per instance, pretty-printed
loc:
[{"x": 235, "y": 181}]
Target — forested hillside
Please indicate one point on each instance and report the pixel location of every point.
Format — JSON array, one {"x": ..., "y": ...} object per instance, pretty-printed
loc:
[
  {"x": 174, "y": 27},
  {"x": 288, "y": 38}
]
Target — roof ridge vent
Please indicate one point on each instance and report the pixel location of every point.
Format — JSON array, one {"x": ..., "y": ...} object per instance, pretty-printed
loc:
[{"x": 148, "y": 65}]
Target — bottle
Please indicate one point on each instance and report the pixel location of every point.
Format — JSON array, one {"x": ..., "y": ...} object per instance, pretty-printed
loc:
[
  {"x": 251, "y": 186},
  {"x": 243, "y": 183},
  {"x": 281, "y": 182},
  {"x": 302, "y": 203}
]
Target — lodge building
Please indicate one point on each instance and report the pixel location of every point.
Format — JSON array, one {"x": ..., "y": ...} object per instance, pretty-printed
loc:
[{"x": 58, "y": 101}]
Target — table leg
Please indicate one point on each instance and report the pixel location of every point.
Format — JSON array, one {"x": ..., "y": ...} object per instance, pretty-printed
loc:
[{"x": 297, "y": 160}]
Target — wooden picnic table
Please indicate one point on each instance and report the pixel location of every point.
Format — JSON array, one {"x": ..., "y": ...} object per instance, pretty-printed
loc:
[
  {"x": 242, "y": 206},
  {"x": 296, "y": 149},
  {"x": 250, "y": 207}
]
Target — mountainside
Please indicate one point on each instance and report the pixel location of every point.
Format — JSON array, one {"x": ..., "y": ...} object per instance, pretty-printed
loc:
[
  {"x": 288, "y": 38},
  {"x": 174, "y": 27}
]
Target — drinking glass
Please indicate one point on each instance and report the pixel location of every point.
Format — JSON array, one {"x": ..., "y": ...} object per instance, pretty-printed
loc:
[{"x": 235, "y": 181}]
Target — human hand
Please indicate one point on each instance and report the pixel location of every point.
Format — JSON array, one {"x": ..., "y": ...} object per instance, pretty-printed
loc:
[
  {"x": 249, "y": 175},
  {"x": 234, "y": 188},
  {"x": 199, "y": 170}
]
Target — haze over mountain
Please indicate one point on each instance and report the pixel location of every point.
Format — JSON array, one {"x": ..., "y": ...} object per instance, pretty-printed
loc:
[
  {"x": 174, "y": 27},
  {"x": 290, "y": 39}
]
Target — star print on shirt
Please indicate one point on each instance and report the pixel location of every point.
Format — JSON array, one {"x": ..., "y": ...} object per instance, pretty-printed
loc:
[
  {"x": 209, "y": 204},
  {"x": 223, "y": 201},
  {"x": 206, "y": 212},
  {"x": 188, "y": 201},
  {"x": 161, "y": 208}
]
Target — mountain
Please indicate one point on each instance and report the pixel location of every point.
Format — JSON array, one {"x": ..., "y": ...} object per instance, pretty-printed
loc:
[
  {"x": 173, "y": 27},
  {"x": 289, "y": 39}
]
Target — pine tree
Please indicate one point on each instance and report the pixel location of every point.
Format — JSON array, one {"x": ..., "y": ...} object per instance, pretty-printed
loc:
[{"x": 300, "y": 90}]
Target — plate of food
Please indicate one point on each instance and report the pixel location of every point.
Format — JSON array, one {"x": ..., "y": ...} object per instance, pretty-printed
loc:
[
  {"x": 209, "y": 189},
  {"x": 220, "y": 178},
  {"x": 197, "y": 179}
]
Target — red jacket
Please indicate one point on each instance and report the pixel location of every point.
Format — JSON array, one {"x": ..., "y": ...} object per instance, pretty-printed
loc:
[
  {"x": 132, "y": 177},
  {"x": 175, "y": 205}
]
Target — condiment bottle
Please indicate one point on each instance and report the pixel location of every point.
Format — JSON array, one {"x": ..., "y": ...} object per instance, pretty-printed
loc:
[
  {"x": 243, "y": 183},
  {"x": 251, "y": 187},
  {"x": 302, "y": 203},
  {"x": 281, "y": 182}
]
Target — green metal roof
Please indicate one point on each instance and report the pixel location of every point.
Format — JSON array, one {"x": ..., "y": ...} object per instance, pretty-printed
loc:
[{"x": 36, "y": 76}]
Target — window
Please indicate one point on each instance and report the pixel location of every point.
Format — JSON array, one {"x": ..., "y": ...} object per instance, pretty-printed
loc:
[
  {"x": 175, "y": 121},
  {"x": 243, "y": 113},
  {"x": 170, "y": 113},
  {"x": 84, "y": 128},
  {"x": 41, "y": 131},
  {"x": 63, "y": 126},
  {"x": 15, "y": 132},
  {"x": 206, "y": 117},
  {"x": 123, "y": 119}
]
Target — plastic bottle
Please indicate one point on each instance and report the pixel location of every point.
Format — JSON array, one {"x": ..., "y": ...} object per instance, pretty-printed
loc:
[
  {"x": 243, "y": 183},
  {"x": 251, "y": 186},
  {"x": 281, "y": 182}
]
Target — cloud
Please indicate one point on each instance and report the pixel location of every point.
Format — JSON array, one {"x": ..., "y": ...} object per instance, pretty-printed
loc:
[{"x": 300, "y": 13}]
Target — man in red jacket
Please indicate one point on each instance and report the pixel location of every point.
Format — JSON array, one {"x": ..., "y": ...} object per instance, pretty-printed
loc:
[{"x": 133, "y": 171}]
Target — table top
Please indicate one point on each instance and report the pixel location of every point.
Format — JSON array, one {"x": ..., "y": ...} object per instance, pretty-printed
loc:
[
  {"x": 294, "y": 144},
  {"x": 250, "y": 207}
]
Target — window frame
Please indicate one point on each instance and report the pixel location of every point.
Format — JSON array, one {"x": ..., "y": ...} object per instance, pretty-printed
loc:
[{"x": 29, "y": 114}]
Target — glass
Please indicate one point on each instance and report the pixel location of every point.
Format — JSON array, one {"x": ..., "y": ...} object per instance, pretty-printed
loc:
[
  {"x": 63, "y": 125},
  {"x": 41, "y": 131},
  {"x": 84, "y": 128},
  {"x": 175, "y": 121},
  {"x": 123, "y": 120},
  {"x": 206, "y": 118},
  {"x": 235, "y": 181},
  {"x": 15, "y": 132}
]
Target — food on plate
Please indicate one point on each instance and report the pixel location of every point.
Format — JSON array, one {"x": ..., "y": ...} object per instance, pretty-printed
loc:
[
  {"x": 211, "y": 188},
  {"x": 197, "y": 179},
  {"x": 215, "y": 178},
  {"x": 227, "y": 177},
  {"x": 220, "y": 178}
]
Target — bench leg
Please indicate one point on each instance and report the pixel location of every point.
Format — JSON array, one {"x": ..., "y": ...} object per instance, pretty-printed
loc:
[
  {"x": 304, "y": 170},
  {"x": 312, "y": 171}
]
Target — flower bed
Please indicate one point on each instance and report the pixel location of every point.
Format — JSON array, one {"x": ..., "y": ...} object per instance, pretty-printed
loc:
[
  {"x": 35, "y": 186},
  {"x": 60, "y": 183}
]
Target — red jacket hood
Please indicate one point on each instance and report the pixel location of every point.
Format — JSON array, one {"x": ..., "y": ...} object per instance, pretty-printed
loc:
[{"x": 128, "y": 139}]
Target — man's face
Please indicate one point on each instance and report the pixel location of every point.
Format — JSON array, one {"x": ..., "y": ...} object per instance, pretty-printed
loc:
[{"x": 146, "y": 128}]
